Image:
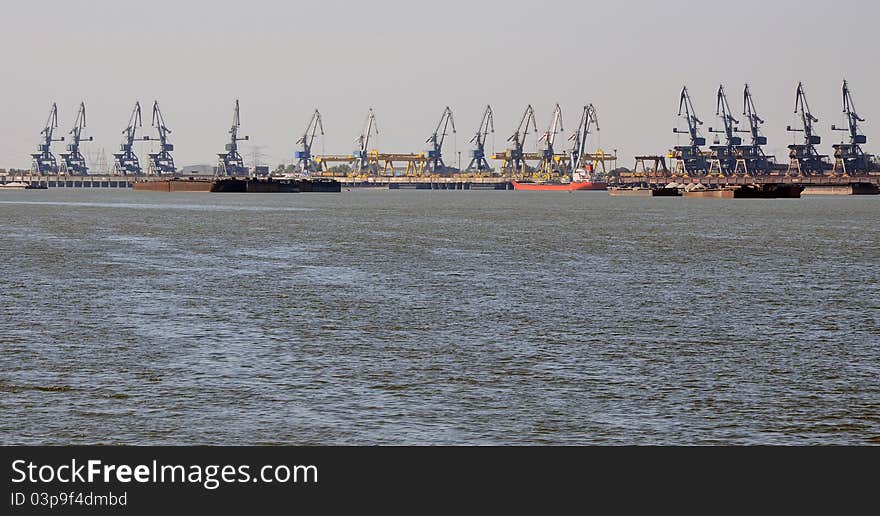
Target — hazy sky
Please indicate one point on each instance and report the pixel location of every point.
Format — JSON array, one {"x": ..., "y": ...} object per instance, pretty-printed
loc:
[{"x": 409, "y": 59}]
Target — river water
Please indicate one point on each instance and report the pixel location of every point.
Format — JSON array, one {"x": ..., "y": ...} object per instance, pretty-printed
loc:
[{"x": 383, "y": 317}]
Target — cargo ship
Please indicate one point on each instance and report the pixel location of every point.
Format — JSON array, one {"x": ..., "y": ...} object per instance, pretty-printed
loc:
[{"x": 580, "y": 180}]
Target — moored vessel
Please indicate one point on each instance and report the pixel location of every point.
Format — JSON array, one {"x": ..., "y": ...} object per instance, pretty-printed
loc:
[{"x": 559, "y": 186}]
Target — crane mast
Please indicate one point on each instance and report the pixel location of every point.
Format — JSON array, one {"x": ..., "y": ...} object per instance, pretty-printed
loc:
[
  {"x": 231, "y": 163},
  {"x": 303, "y": 157},
  {"x": 126, "y": 161},
  {"x": 478, "y": 154},
  {"x": 690, "y": 157},
  {"x": 804, "y": 158},
  {"x": 161, "y": 162},
  {"x": 435, "y": 151},
  {"x": 361, "y": 155},
  {"x": 515, "y": 153},
  {"x": 73, "y": 162},
  {"x": 44, "y": 161},
  {"x": 849, "y": 157},
  {"x": 579, "y": 138}
]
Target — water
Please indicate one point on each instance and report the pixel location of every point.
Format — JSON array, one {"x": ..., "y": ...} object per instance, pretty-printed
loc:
[{"x": 376, "y": 317}]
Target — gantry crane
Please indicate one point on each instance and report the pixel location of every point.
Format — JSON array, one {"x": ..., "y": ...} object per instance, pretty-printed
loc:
[
  {"x": 579, "y": 138},
  {"x": 804, "y": 159},
  {"x": 126, "y": 161},
  {"x": 751, "y": 159},
  {"x": 478, "y": 154},
  {"x": 723, "y": 160},
  {"x": 231, "y": 163},
  {"x": 434, "y": 153},
  {"x": 849, "y": 157},
  {"x": 44, "y": 161},
  {"x": 514, "y": 157},
  {"x": 161, "y": 162},
  {"x": 361, "y": 155},
  {"x": 304, "y": 159},
  {"x": 549, "y": 164},
  {"x": 72, "y": 161},
  {"x": 690, "y": 158}
]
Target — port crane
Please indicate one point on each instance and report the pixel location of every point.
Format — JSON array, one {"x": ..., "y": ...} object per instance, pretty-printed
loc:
[
  {"x": 231, "y": 163},
  {"x": 72, "y": 161},
  {"x": 435, "y": 151},
  {"x": 478, "y": 154},
  {"x": 548, "y": 163},
  {"x": 361, "y": 155},
  {"x": 849, "y": 157},
  {"x": 690, "y": 157},
  {"x": 161, "y": 162},
  {"x": 126, "y": 161},
  {"x": 579, "y": 138},
  {"x": 724, "y": 156},
  {"x": 751, "y": 159},
  {"x": 303, "y": 157},
  {"x": 44, "y": 161},
  {"x": 804, "y": 158},
  {"x": 514, "y": 157}
]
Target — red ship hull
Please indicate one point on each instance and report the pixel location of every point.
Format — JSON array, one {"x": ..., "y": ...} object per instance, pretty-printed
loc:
[{"x": 566, "y": 187}]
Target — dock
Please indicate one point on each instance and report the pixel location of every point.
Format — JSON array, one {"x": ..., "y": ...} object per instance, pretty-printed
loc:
[{"x": 71, "y": 181}]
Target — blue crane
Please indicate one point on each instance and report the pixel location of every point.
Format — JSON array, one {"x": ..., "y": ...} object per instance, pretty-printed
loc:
[
  {"x": 161, "y": 162},
  {"x": 752, "y": 156},
  {"x": 849, "y": 157},
  {"x": 515, "y": 154},
  {"x": 44, "y": 161},
  {"x": 361, "y": 155},
  {"x": 478, "y": 154},
  {"x": 690, "y": 157},
  {"x": 579, "y": 137},
  {"x": 73, "y": 162},
  {"x": 435, "y": 151},
  {"x": 804, "y": 158},
  {"x": 231, "y": 163},
  {"x": 126, "y": 162},
  {"x": 725, "y": 155},
  {"x": 548, "y": 153},
  {"x": 304, "y": 159}
]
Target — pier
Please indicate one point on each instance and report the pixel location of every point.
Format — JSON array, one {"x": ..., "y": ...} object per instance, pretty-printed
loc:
[{"x": 70, "y": 181}]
